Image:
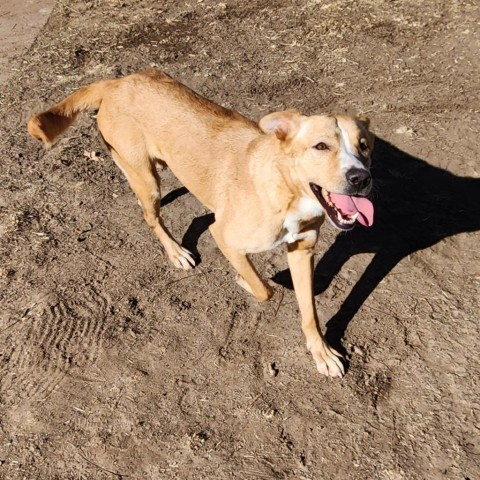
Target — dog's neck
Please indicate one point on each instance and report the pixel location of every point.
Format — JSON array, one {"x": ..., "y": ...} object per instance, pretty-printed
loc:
[
  {"x": 268, "y": 166},
  {"x": 281, "y": 163}
]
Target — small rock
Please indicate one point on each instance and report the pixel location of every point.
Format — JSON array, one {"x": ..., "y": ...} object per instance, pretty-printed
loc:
[
  {"x": 358, "y": 350},
  {"x": 404, "y": 130},
  {"x": 273, "y": 369}
]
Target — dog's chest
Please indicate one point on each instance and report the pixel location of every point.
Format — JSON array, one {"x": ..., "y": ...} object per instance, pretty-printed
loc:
[{"x": 305, "y": 210}]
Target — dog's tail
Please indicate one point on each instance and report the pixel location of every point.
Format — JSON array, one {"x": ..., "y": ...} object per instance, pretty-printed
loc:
[{"x": 47, "y": 126}]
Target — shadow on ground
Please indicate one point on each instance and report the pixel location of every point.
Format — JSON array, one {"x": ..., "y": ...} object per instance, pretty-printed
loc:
[
  {"x": 196, "y": 229},
  {"x": 416, "y": 206}
]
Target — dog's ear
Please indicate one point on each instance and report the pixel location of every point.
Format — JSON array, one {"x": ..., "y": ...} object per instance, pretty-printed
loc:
[
  {"x": 365, "y": 121},
  {"x": 283, "y": 124}
]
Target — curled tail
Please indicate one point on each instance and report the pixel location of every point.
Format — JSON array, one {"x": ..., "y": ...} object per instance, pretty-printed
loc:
[{"x": 47, "y": 126}]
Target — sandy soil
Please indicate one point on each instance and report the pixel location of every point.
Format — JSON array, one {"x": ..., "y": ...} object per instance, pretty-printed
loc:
[
  {"x": 20, "y": 22},
  {"x": 115, "y": 365}
]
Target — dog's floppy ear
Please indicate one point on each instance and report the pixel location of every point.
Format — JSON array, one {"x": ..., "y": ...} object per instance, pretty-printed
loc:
[
  {"x": 365, "y": 121},
  {"x": 283, "y": 124}
]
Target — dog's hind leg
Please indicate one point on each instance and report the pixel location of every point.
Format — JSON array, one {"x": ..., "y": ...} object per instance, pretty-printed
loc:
[
  {"x": 249, "y": 278},
  {"x": 145, "y": 183}
]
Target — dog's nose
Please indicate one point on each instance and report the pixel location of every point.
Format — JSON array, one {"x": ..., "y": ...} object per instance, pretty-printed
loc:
[{"x": 358, "y": 178}]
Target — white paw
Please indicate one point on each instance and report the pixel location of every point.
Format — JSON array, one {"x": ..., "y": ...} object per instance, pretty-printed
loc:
[
  {"x": 181, "y": 257},
  {"x": 327, "y": 359}
]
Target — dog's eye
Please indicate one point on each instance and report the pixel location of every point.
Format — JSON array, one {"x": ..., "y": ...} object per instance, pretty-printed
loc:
[
  {"x": 321, "y": 146},
  {"x": 363, "y": 145}
]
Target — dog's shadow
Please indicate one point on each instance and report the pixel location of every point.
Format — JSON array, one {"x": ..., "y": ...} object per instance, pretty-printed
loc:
[
  {"x": 416, "y": 206},
  {"x": 198, "y": 226}
]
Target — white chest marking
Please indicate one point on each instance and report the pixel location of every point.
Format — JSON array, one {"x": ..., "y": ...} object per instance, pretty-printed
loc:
[{"x": 307, "y": 208}]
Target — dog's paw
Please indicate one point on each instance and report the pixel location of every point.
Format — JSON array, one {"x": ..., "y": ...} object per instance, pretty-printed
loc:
[
  {"x": 267, "y": 294},
  {"x": 181, "y": 257},
  {"x": 327, "y": 359},
  {"x": 261, "y": 295}
]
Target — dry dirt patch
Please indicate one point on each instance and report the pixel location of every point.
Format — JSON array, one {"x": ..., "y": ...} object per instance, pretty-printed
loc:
[{"x": 20, "y": 22}]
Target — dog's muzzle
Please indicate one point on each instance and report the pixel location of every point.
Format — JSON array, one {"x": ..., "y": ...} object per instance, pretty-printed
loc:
[{"x": 359, "y": 181}]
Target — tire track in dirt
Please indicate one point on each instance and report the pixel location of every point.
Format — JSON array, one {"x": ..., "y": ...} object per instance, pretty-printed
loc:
[{"x": 60, "y": 332}]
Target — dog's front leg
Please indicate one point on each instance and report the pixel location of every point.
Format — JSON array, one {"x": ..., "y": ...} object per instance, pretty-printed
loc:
[
  {"x": 300, "y": 261},
  {"x": 249, "y": 278}
]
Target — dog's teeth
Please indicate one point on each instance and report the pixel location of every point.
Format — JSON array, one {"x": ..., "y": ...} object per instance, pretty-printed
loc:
[
  {"x": 346, "y": 220},
  {"x": 326, "y": 196}
]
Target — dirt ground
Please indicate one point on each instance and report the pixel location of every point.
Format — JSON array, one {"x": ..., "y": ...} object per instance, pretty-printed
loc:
[
  {"x": 113, "y": 364},
  {"x": 19, "y": 24}
]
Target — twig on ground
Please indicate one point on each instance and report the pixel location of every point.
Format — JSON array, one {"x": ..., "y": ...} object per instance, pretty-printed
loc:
[{"x": 282, "y": 294}]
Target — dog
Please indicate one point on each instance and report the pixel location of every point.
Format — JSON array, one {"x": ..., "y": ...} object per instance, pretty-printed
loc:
[{"x": 268, "y": 183}]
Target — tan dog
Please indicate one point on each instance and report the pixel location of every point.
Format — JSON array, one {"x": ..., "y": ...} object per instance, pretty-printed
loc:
[{"x": 268, "y": 183}]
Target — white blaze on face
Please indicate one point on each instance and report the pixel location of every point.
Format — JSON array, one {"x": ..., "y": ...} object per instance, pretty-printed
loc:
[{"x": 348, "y": 158}]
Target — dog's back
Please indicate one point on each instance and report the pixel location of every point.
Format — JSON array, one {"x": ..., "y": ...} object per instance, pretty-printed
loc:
[
  {"x": 167, "y": 121},
  {"x": 148, "y": 117}
]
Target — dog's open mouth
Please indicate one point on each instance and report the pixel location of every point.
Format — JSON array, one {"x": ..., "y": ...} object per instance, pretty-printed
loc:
[{"x": 344, "y": 210}]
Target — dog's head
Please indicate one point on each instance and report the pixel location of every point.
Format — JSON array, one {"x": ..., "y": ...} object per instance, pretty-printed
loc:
[{"x": 328, "y": 158}]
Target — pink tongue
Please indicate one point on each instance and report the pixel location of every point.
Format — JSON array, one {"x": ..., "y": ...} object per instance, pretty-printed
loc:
[{"x": 351, "y": 205}]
